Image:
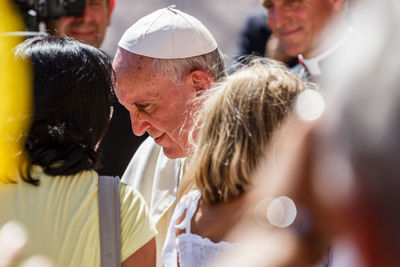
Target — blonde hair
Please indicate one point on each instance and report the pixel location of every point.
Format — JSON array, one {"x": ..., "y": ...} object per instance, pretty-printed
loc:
[{"x": 235, "y": 124}]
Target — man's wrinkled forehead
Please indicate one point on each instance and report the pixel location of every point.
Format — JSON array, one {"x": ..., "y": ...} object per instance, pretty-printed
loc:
[{"x": 127, "y": 61}]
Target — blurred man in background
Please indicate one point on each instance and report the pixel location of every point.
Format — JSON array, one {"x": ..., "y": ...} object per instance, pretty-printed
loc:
[
  {"x": 304, "y": 29},
  {"x": 90, "y": 27}
]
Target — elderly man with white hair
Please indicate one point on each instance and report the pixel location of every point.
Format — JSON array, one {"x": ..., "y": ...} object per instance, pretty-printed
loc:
[{"x": 163, "y": 64}]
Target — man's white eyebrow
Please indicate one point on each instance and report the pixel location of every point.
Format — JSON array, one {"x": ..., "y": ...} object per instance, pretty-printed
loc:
[{"x": 154, "y": 99}]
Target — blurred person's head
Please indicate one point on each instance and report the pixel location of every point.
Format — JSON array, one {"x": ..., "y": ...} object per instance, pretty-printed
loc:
[
  {"x": 357, "y": 143},
  {"x": 236, "y": 123},
  {"x": 300, "y": 24},
  {"x": 89, "y": 27},
  {"x": 164, "y": 63},
  {"x": 72, "y": 103}
]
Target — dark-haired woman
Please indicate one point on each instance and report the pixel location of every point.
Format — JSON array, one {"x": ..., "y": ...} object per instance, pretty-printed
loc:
[{"x": 57, "y": 199}]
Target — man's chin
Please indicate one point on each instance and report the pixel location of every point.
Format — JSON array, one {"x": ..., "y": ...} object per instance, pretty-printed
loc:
[
  {"x": 87, "y": 39},
  {"x": 173, "y": 153},
  {"x": 93, "y": 42},
  {"x": 293, "y": 51}
]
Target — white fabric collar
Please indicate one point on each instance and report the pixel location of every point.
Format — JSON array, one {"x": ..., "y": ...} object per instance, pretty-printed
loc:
[{"x": 313, "y": 64}]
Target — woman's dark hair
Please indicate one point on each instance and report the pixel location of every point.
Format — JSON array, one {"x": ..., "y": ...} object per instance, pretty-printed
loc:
[{"x": 73, "y": 89}]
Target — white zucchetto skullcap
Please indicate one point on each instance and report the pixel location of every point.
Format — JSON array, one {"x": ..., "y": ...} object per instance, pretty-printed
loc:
[{"x": 168, "y": 33}]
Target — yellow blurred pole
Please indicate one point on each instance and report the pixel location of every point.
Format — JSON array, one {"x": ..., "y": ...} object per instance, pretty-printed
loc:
[{"x": 15, "y": 98}]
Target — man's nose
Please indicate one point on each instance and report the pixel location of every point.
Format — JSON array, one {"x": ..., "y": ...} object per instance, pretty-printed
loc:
[{"x": 139, "y": 124}]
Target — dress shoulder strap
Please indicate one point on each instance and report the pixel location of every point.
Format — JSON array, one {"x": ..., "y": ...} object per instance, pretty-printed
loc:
[{"x": 188, "y": 204}]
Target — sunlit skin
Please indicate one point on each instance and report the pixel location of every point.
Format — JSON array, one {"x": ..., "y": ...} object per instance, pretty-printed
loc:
[
  {"x": 157, "y": 105},
  {"x": 89, "y": 28},
  {"x": 299, "y": 24}
]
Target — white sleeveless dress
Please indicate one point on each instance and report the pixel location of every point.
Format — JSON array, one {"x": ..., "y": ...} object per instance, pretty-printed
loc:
[{"x": 193, "y": 250}]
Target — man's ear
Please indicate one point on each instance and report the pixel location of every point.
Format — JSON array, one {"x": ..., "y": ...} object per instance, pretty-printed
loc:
[{"x": 200, "y": 80}]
